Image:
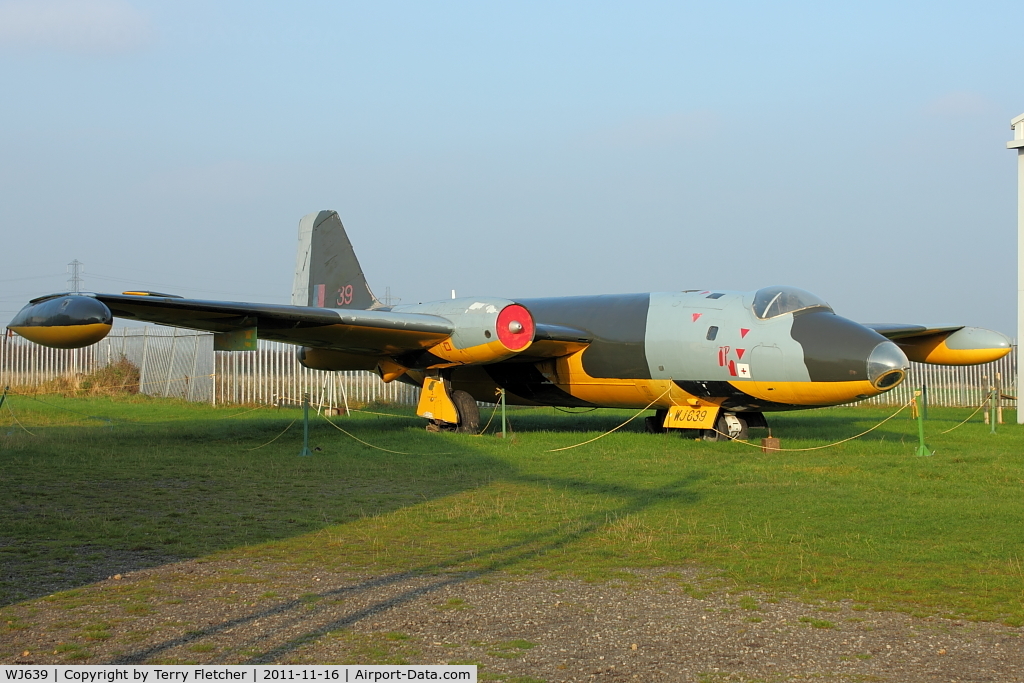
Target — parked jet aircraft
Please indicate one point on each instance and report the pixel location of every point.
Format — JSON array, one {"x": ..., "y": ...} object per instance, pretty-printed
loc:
[{"x": 712, "y": 360}]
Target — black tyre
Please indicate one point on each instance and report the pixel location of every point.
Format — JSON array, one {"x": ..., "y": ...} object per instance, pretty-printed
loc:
[
  {"x": 655, "y": 424},
  {"x": 469, "y": 413},
  {"x": 721, "y": 431}
]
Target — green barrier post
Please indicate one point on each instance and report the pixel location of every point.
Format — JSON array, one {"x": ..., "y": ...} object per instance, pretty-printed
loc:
[{"x": 922, "y": 449}]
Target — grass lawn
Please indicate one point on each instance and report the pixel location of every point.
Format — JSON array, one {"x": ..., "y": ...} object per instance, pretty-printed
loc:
[{"x": 105, "y": 482}]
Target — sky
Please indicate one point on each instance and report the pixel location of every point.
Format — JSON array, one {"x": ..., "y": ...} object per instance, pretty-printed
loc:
[{"x": 517, "y": 149}]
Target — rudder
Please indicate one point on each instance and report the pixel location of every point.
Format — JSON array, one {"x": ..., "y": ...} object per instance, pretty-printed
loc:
[{"x": 327, "y": 272}]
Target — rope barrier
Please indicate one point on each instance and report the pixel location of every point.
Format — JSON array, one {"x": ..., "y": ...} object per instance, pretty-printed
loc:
[
  {"x": 818, "y": 448},
  {"x": 584, "y": 443},
  {"x": 976, "y": 411},
  {"x": 370, "y": 412},
  {"x": 137, "y": 385},
  {"x": 494, "y": 410},
  {"x": 15, "y": 418},
  {"x": 366, "y": 443},
  {"x": 275, "y": 438},
  {"x": 225, "y": 417}
]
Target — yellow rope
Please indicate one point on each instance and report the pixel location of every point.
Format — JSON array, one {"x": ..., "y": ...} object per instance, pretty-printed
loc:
[
  {"x": 365, "y": 443},
  {"x": 370, "y": 412},
  {"x": 15, "y": 418},
  {"x": 109, "y": 386},
  {"x": 965, "y": 421},
  {"x": 276, "y": 437},
  {"x": 489, "y": 420},
  {"x": 829, "y": 445},
  {"x": 225, "y": 417},
  {"x": 584, "y": 443}
]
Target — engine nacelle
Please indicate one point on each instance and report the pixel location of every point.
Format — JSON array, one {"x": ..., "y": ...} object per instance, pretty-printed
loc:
[
  {"x": 329, "y": 359},
  {"x": 69, "y": 321},
  {"x": 487, "y": 330}
]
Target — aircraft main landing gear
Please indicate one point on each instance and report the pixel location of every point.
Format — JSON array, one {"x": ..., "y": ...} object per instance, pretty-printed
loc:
[
  {"x": 655, "y": 424},
  {"x": 728, "y": 427},
  {"x": 467, "y": 414}
]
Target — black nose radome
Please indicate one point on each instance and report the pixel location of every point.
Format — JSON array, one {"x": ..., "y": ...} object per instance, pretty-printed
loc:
[{"x": 840, "y": 350}]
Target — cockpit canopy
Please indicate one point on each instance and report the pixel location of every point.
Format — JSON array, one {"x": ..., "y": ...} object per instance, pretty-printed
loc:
[{"x": 770, "y": 302}]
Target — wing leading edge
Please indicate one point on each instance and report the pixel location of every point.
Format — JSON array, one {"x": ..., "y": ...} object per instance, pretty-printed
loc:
[{"x": 372, "y": 333}]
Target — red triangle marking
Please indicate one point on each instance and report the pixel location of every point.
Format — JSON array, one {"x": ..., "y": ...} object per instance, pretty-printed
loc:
[
  {"x": 696, "y": 315},
  {"x": 740, "y": 352},
  {"x": 743, "y": 332}
]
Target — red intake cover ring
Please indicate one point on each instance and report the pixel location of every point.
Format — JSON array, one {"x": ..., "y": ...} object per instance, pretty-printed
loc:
[{"x": 515, "y": 341}]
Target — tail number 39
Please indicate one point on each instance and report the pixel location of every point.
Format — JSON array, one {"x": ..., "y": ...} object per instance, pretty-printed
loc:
[{"x": 344, "y": 295}]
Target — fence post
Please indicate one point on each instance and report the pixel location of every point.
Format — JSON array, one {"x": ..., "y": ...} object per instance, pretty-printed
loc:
[
  {"x": 192, "y": 375},
  {"x": 170, "y": 363},
  {"x": 142, "y": 370}
]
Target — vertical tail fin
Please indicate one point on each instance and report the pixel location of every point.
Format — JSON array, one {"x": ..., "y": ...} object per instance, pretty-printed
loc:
[{"x": 327, "y": 272}]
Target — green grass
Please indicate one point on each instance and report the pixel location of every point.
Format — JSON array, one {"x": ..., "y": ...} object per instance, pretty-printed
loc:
[{"x": 866, "y": 521}]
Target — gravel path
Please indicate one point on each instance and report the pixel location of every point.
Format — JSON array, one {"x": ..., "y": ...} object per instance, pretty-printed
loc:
[{"x": 659, "y": 626}]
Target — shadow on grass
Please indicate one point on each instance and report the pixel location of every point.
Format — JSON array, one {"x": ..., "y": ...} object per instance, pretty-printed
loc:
[
  {"x": 82, "y": 503},
  {"x": 280, "y": 640},
  {"x": 816, "y": 424}
]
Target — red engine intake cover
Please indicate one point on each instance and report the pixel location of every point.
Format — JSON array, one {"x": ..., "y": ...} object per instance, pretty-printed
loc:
[{"x": 507, "y": 319}]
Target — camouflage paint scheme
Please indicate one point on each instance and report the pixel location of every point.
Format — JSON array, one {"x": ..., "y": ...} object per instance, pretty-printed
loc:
[{"x": 740, "y": 352}]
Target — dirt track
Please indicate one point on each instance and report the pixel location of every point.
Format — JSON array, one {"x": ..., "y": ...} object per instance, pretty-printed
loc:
[{"x": 657, "y": 628}]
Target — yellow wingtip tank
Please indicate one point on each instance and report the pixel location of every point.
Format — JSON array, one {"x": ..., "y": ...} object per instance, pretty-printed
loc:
[
  {"x": 64, "y": 322},
  {"x": 966, "y": 346}
]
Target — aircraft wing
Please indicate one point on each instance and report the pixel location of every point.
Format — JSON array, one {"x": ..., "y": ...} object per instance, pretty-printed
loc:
[
  {"x": 371, "y": 333},
  {"x": 441, "y": 334},
  {"x": 951, "y": 345}
]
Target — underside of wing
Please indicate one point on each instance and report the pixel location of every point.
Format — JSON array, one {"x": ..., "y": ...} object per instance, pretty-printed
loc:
[
  {"x": 369, "y": 333},
  {"x": 952, "y": 345}
]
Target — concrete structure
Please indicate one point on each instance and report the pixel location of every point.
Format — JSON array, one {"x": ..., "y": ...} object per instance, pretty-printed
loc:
[{"x": 1017, "y": 143}]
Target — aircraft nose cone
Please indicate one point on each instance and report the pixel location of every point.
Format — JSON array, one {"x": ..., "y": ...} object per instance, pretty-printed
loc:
[
  {"x": 887, "y": 365},
  {"x": 837, "y": 349}
]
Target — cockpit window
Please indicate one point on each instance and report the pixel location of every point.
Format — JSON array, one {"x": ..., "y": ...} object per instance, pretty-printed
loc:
[{"x": 774, "y": 301}]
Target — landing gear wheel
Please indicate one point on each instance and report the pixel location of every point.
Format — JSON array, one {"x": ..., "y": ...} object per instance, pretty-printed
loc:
[
  {"x": 469, "y": 413},
  {"x": 728, "y": 427},
  {"x": 655, "y": 424}
]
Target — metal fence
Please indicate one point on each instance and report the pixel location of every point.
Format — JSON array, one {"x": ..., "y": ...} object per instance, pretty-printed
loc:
[
  {"x": 183, "y": 364},
  {"x": 956, "y": 386}
]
